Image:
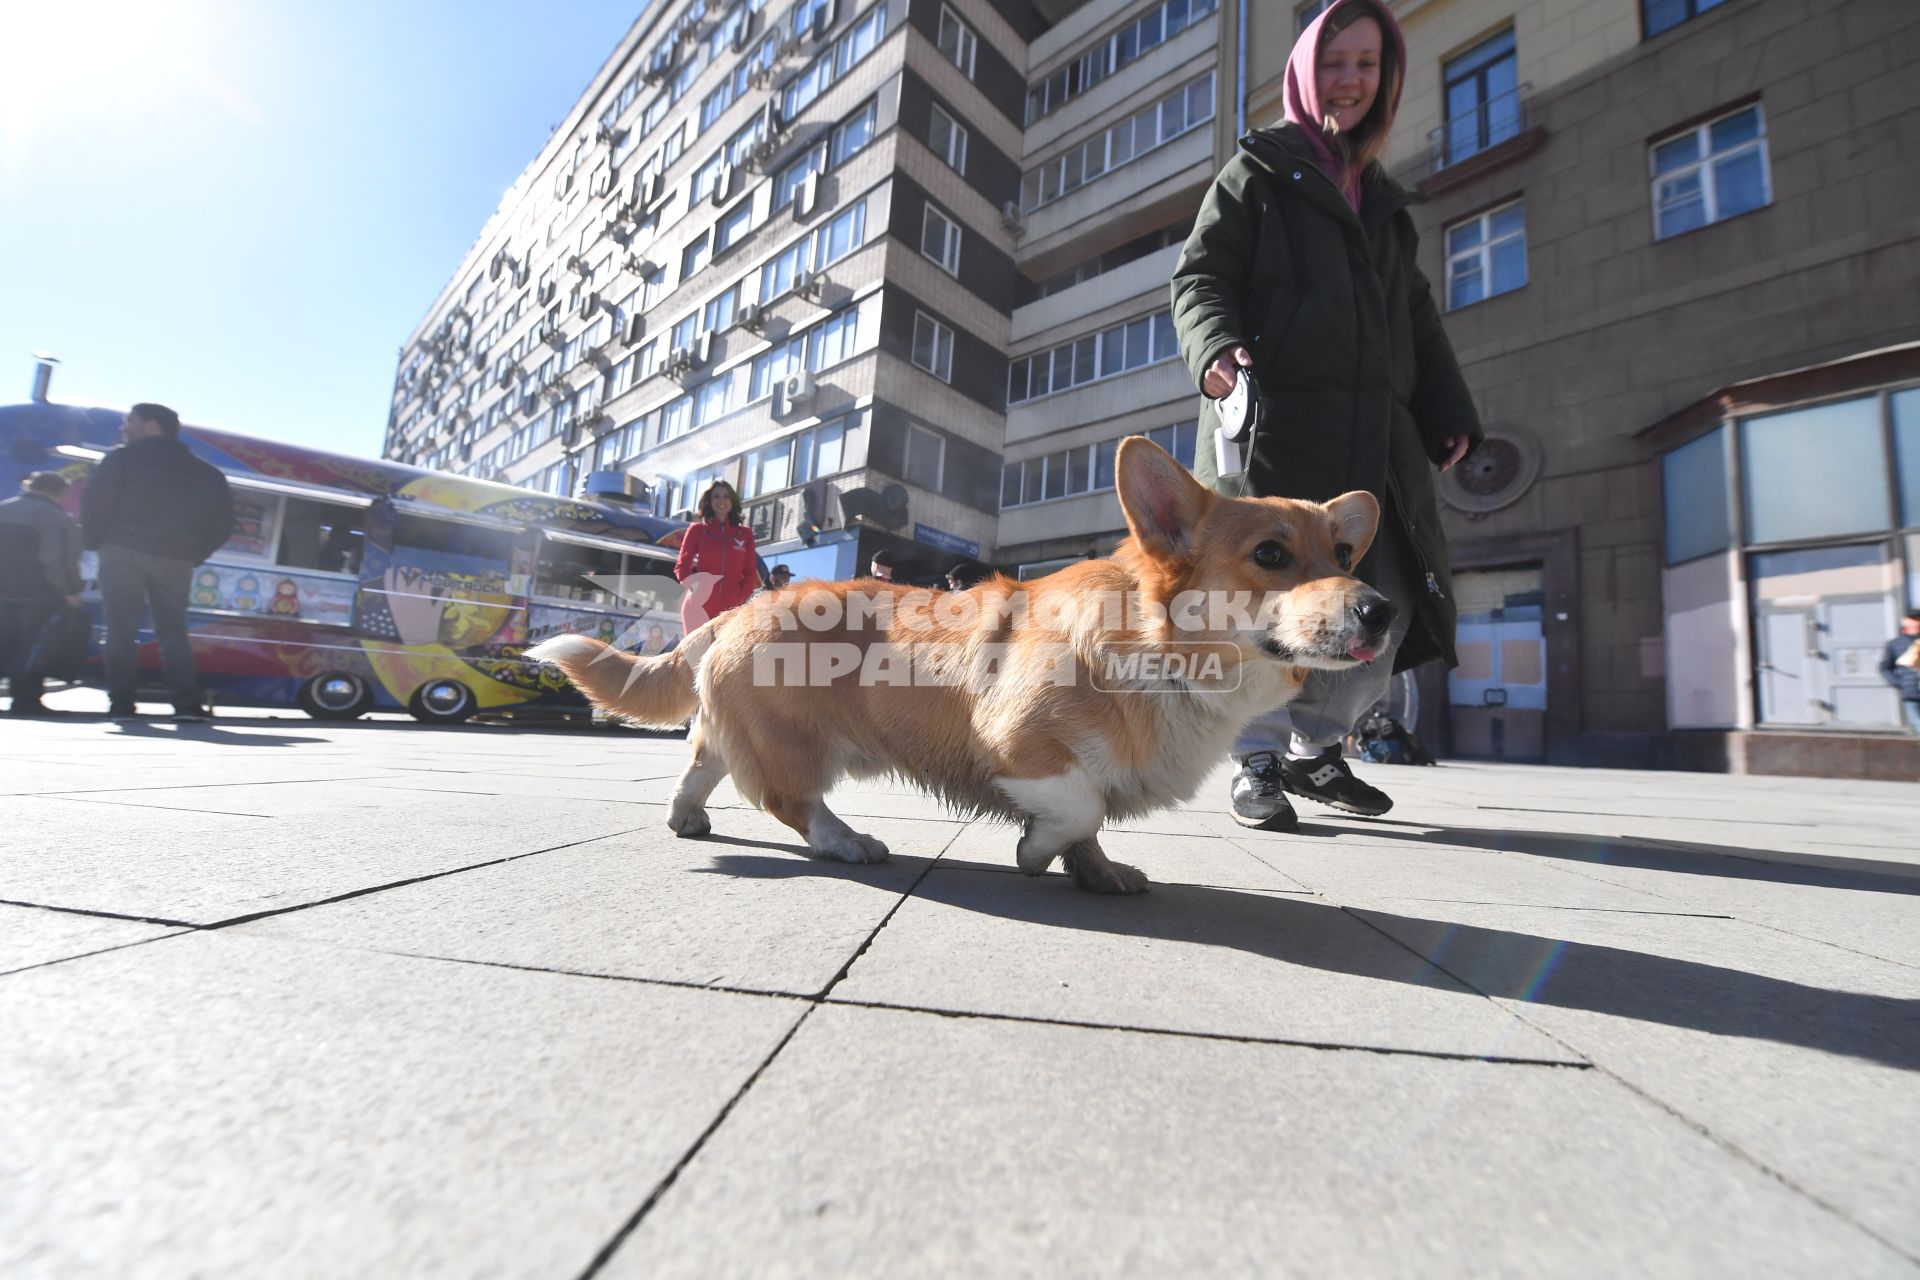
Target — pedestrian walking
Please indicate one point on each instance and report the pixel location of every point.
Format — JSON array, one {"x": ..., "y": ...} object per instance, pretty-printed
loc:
[
  {"x": 39, "y": 574},
  {"x": 1301, "y": 271},
  {"x": 1901, "y": 667},
  {"x": 717, "y": 563},
  {"x": 154, "y": 512}
]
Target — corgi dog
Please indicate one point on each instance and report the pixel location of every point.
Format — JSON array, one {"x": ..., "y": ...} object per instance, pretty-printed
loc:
[{"x": 1108, "y": 689}]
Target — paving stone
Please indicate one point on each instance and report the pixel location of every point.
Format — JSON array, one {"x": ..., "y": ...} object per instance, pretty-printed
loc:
[
  {"x": 32, "y": 936},
  {"x": 1231, "y": 962},
  {"x": 201, "y": 867},
  {"x": 1799, "y": 1054},
  {"x": 899, "y": 1144},
  {"x": 740, "y": 911},
  {"x": 224, "y": 1106}
]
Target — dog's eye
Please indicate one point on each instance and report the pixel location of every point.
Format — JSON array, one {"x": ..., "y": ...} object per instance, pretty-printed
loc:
[
  {"x": 1271, "y": 555},
  {"x": 1344, "y": 554}
]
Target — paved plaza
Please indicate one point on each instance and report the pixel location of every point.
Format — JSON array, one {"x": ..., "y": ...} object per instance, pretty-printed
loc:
[{"x": 280, "y": 998}]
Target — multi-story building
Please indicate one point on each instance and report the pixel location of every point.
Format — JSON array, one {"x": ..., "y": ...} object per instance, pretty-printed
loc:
[
  {"x": 763, "y": 246},
  {"x": 1676, "y": 241},
  {"x": 899, "y": 271}
]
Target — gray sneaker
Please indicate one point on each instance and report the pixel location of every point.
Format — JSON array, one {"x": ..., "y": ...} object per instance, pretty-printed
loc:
[{"x": 1259, "y": 798}]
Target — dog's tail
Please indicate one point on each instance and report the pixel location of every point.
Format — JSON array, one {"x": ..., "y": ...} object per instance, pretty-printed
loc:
[{"x": 656, "y": 691}]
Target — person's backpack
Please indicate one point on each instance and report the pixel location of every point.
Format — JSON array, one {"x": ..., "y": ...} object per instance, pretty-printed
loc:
[{"x": 60, "y": 649}]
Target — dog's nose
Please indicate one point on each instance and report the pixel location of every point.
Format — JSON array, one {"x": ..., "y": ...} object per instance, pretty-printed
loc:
[{"x": 1375, "y": 614}]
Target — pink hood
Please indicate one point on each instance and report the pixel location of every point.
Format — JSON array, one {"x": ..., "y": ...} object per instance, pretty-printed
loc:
[{"x": 1303, "y": 105}]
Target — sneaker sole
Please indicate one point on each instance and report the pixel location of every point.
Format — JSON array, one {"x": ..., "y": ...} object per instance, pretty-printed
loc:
[
  {"x": 1286, "y": 821},
  {"x": 1342, "y": 805}
]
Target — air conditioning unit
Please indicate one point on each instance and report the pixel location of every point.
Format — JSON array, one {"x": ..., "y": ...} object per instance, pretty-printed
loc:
[
  {"x": 652, "y": 189},
  {"x": 809, "y": 284},
  {"x": 761, "y": 77},
  {"x": 591, "y": 304},
  {"x": 502, "y": 261},
  {"x": 608, "y": 134},
  {"x": 554, "y": 338},
  {"x": 703, "y": 350},
  {"x": 577, "y": 264},
  {"x": 678, "y": 361},
  {"x": 1010, "y": 217},
  {"x": 636, "y": 329},
  {"x": 752, "y": 317},
  {"x": 808, "y": 196},
  {"x": 723, "y": 185},
  {"x": 749, "y": 27},
  {"x": 545, "y": 293},
  {"x": 796, "y": 388}
]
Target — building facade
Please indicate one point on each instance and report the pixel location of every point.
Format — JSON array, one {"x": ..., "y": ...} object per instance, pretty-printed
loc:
[{"x": 899, "y": 272}]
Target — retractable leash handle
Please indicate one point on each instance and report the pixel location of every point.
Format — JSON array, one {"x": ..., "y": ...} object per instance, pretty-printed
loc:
[{"x": 1238, "y": 413}]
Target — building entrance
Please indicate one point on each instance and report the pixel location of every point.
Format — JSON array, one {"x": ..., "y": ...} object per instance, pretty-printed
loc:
[{"x": 1498, "y": 693}]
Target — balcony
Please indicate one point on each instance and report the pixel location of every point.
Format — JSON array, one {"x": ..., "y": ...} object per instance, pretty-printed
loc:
[{"x": 1486, "y": 136}]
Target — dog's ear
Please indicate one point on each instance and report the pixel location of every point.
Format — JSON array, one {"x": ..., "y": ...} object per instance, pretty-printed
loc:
[
  {"x": 1356, "y": 518},
  {"x": 1161, "y": 500}
]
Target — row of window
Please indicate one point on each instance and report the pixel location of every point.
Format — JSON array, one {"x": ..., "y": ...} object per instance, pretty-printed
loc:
[
  {"x": 1068, "y": 473},
  {"x": 1141, "y": 36},
  {"x": 1186, "y": 108},
  {"x": 859, "y": 40},
  {"x": 1120, "y": 349},
  {"x": 1706, "y": 174}
]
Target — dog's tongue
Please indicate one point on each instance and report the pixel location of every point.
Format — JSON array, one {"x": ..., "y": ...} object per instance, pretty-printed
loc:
[{"x": 1361, "y": 653}]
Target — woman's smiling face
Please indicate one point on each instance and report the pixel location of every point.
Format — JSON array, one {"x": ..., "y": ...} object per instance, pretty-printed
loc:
[{"x": 1349, "y": 74}]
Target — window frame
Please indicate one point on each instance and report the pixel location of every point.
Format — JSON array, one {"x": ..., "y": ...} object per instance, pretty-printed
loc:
[
  {"x": 965, "y": 43},
  {"x": 1483, "y": 251},
  {"x": 949, "y": 257},
  {"x": 954, "y": 152},
  {"x": 938, "y": 332},
  {"x": 939, "y": 462},
  {"x": 1702, "y": 132},
  {"x": 1481, "y": 65}
]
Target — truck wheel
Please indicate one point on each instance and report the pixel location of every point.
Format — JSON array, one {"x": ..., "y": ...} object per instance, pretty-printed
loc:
[
  {"x": 442, "y": 702},
  {"x": 335, "y": 696}
]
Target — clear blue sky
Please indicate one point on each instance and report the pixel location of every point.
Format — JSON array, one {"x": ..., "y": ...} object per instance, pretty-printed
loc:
[{"x": 241, "y": 208}]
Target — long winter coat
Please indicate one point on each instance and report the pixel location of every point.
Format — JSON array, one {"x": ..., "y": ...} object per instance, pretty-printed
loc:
[
  {"x": 1358, "y": 383},
  {"x": 724, "y": 551}
]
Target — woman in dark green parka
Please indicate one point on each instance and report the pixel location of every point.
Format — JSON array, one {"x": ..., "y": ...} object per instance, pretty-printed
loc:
[{"x": 1301, "y": 268}]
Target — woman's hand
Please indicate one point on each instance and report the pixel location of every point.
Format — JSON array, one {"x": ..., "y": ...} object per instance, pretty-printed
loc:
[
  {"x": 1457, "y": 447},
  {"x": 1224, "y": 372}
]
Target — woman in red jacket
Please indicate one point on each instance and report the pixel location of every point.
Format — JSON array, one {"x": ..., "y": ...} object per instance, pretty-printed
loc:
[{"x": 717, "y": 563}]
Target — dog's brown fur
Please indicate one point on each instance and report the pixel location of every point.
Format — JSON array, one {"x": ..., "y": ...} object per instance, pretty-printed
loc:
[{"x": 1061, "y": 758}]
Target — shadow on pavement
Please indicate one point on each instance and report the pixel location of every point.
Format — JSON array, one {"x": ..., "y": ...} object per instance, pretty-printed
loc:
[
  {"x": 1494, "y": 962},
  {"x": 208, "y": 733},
  {"x": 1681, "y": 857}
]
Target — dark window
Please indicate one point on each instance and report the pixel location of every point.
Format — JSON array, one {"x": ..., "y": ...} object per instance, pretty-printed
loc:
[{"x": 1662, "y": 15}]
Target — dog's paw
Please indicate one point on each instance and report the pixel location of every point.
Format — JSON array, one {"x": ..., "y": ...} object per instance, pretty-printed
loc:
[
  {"x": 1107, "y": 877},
  {"x": 850, "y": 846},
  {"x": 690, "y": 825},
  {"x": 1033, "y": 859}
]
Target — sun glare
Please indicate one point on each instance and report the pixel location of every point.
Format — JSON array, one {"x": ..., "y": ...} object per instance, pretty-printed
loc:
[{"x": 61, "y": 61}]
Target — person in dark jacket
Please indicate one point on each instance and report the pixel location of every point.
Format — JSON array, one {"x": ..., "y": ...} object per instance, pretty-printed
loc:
[
  {"x": 39, "y": 569},
  {"x": 1905, "y": 678},
  {"x": 1301, "y": 269},
  {"x": 717, "y": 563},
  {"x": 154, "y": 511}
]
